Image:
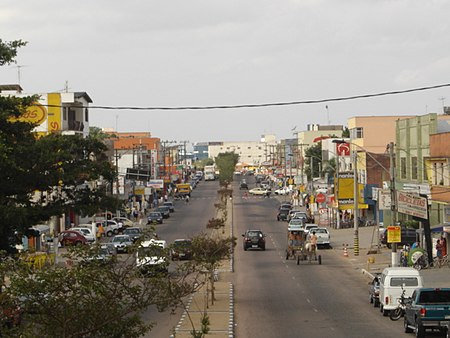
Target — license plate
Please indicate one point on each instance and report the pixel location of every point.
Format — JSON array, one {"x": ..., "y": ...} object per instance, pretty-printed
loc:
[
  {"x": 181, "y": 254},
  {"x": 254, "y": 246}
]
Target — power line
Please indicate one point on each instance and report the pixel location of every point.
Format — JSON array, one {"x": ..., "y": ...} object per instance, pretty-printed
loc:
[{"x": 273, "y": 104}]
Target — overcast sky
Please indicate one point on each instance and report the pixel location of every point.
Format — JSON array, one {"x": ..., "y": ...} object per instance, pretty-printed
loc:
[{"x": 228, "y": 52}]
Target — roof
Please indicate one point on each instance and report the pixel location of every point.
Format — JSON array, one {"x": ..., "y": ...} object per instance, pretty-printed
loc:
[{"x": 83, "y": 95}]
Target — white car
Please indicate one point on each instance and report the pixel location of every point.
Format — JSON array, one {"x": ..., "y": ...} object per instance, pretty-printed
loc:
[
  {"x": 258, "y": 191},
  {"x": 323, "y": 236},
  {"x": 282, "y": 191},
  {"x": 86, "y": 232},
  {"x": 310, "y": 227}
]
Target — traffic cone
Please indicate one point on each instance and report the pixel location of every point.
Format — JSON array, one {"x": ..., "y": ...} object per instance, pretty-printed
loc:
[{"x": 345, "y": 250}]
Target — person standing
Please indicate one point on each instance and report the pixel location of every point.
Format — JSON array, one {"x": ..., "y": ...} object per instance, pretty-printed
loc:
[{"x": 439, "y": 252}]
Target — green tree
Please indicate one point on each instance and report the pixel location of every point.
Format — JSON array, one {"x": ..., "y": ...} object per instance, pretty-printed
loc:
[
  {"x": 313, "y": 157},
  {"x": 90, "y": 299},
  {"x": 226, "y": 163},
  {"x": 44, "y": 176}
]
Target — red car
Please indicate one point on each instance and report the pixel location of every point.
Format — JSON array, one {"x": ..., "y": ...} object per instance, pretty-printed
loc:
[{"x": 70, "y": 237}]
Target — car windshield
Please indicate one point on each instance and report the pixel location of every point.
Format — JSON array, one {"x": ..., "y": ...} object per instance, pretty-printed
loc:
[
  {"x": 182, "y": 244},
  {"x": 155, "y": 214},
  {"x": 254, "y": 234},
  {"x": 121, "y": 239},
  {"x": 152, "y": 250},
  {"x": 132, "y": 231},
  {"x": 320, "y": 231}
]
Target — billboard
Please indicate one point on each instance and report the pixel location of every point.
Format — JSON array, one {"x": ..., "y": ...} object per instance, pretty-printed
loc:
[
  {"x": 412, "y": 205},
  {"x": 346, "y": 186}
]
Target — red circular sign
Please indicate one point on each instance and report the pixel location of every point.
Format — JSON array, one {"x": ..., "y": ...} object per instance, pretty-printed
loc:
[{"x": 320, "y": 198}]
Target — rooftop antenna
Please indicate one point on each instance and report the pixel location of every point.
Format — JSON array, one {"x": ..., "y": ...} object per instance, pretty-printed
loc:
[
  {"x": 443, "y": 104},
  {"x": 18, "y": 72},
  {"x": 66, "y": 86},
  {"x": 328, "y": 115}
]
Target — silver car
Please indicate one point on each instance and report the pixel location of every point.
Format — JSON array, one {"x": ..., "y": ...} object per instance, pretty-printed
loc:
[{"x": 122, "y": 243}]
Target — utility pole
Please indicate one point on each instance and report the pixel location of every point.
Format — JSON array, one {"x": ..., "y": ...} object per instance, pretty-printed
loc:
[
  {"x": 394, "y": 257},
  {"x": 355, "y": 204}
]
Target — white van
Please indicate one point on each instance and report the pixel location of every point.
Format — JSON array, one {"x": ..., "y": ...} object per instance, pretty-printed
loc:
[
  {"x": 392, "y": 280},
  {"x": 151, "y": 258}
]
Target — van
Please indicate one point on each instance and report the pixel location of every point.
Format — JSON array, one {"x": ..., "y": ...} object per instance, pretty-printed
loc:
[
  {"x": 408, "y": 237},
  {"x": 393, "y": 281}
]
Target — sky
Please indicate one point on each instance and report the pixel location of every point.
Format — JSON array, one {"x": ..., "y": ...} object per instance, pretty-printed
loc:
[{"x": 179, "y": 53}]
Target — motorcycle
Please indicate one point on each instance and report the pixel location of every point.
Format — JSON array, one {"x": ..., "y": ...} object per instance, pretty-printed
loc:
[{"x": 397, "y": 313}]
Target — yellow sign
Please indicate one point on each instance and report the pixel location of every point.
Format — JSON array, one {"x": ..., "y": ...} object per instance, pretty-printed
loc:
[
  {"x": 35, "y": 114},
  {"x": 394, "y": 234},
  {"x": 54, "y": 113}
]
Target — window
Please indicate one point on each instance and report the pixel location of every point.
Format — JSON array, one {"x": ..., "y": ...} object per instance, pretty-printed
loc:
[
  {"x": 414, "y": 168},
  {"x": 408, "y": 281},
  {"x": 356, "y": 132},
  {"x": 65, "y": 113},
  {"x": 403, "y": 167},
  {"x": 425, "y": 172}
]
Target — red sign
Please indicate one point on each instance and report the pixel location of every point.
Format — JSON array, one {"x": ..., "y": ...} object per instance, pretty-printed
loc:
[
  {"x": 343, "y": 149},
  {"x": 320, "y": 198}
]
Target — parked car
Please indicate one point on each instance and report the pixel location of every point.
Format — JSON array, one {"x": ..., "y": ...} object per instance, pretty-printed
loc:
[
  {"x": 125, "y": 221},
  {"x": 428, "y": 308},
  {"x": 258, "y": 191},
  {"x": 283, "y": 191},
  {"x": 170, "y": 205},
  {"x": 101, "y": 255},
  {"x": 155, "y": 217},
  {"x": 122, "y": 243},
  {"x": 374, "y": 290},
  {"x": 164, "y": 210},
  {"x": 86, "y": 232},
  {"x": 322, "y": 234},
  {"x": 283, "y": 214},
  {"x": 181, "y": 249},
  {"x": 70, "y": 237},
  {"x": 110, "y": 227},
  {"x": 254, "y": 239},
  {"x": 408, "y": 237},
  {"x": 134, "y": 232}
]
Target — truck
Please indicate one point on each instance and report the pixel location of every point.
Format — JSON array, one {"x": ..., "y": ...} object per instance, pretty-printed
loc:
[
  {"x": 428, "y": 309},
  {"x": 210, "y": 172},
  {"x": 183, "y": 189}
]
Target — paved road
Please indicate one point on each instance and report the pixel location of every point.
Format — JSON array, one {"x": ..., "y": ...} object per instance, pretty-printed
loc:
[
  {"x": 187, "y": 221},
  {"x": 277, "y": 298}
]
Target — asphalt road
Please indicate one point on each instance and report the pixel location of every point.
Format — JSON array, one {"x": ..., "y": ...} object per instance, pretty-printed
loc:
[
  {"x": 188, "y": 220},
  {"x": 278, "y": 298}
]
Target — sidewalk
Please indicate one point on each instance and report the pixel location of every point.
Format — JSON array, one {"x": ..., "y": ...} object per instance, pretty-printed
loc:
[
  {"x": 221, "y": 313},
  {"x": 370, "y": 263}
]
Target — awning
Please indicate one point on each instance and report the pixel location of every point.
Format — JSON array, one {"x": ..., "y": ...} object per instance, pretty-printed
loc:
[{"x": 444, "y": 227}]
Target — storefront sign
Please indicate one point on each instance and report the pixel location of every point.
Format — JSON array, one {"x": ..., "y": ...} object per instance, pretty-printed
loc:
[
  {"x": 394, "y": 234},
  {"x": 412, "y": 205}
]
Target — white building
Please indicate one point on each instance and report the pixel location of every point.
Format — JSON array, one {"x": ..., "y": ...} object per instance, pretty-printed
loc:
[{"x": 250, "y": 152}]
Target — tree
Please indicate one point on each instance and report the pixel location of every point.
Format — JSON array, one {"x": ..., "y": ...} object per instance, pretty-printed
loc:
[
  {"x": 226, "y": 163},
  {"x": 208, "y": 252},
  {"x": 90, "y": 299},
  {"x": 313, "y": 156},
  {"x": 44, "y": 176}
]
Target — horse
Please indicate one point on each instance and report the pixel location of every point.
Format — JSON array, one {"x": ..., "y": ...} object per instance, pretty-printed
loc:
[{"x": 310, "y": 251}]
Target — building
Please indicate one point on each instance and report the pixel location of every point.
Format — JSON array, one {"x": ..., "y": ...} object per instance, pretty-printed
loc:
[
  {"x": 416, "y": 169},
  {"x": 438, "y": 169},
  {"x": 254, "y": 153},
  {"x": 67, "y": 112}
]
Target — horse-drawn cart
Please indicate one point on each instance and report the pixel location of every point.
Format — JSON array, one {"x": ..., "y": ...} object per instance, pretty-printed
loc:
[{"x": 298, "y": 247}]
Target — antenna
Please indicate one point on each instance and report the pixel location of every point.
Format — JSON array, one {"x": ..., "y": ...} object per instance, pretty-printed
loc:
[
  {"x": 18, "y": 72},
  {"x": 328, "y": 115}
]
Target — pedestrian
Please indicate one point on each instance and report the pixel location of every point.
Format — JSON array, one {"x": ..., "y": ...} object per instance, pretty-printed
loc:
[
  {"x": 439, "y": 252},
  {"x": 135, "y": 214},
  {"x": 100, "y": 231},
  {"x": 444, "y": 246}
]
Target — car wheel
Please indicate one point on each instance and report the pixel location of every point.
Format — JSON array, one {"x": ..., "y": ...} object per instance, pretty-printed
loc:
[
  {"x": 245, "y": 248},
  {"x": 116, "y": 231},
  {"x": 109, "y": 233},
  {"x": 406, "y": 327},
  {"x": 420, "y": 331}
]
